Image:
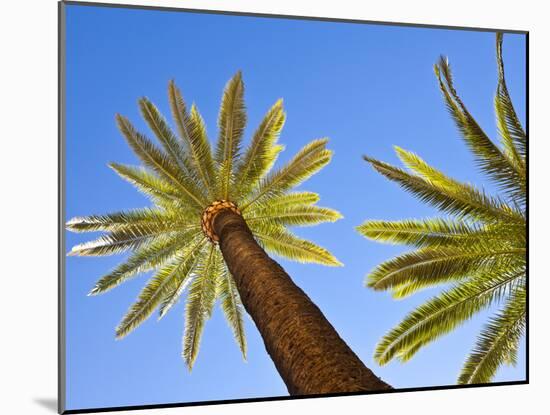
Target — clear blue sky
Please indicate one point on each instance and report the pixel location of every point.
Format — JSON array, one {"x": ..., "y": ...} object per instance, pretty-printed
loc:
[{"x": 367, "y": 87}]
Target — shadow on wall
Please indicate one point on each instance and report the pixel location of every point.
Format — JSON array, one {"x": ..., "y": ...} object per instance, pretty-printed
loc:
[{"x": 48, "y": 403}]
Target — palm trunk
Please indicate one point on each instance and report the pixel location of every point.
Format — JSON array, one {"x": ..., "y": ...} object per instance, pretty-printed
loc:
[{"x": 308, "y": 353}]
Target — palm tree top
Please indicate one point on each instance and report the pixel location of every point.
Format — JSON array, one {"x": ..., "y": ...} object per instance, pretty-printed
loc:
[
  {"x": 188, "y": 183},
  {"x": 479, "y": 247}
]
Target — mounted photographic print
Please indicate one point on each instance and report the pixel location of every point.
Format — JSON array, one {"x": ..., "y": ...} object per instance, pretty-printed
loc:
[{"x": 259, "y": 207}]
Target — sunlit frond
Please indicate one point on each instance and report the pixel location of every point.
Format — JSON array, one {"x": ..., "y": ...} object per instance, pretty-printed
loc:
[
  {"x": 159, "y": 126},
  {"x": 232, "y": 307},
  {"x": 192, "y": 131},
  {"x": 511, "y": 131},
  {"x": 262, "y": 151},
  {"x": 423, "y": 233},
  {"x": 155, "y": 159},
  {"x": 124, "y": 239},
  {"x": 180, "y": 283},
  {"x": 151, "y": 256},
  {"x": 285, "y": 200},
  {"x": 294, "y": 215},
  {"x": 276, "y": 239},
  {"x": 154, "y": 291},
  {"x": 440, "y": 232},
  {"x": 427, "y": 267},
  {"x": 148, "y": 183},
  {"x": 121, "y": 220},
  {"x": 231, "y": 123},
  {"x": 200, "y": 301},
  {"x": 489, "y": 156},
  {"x": 498, "y": 342},
  {"x": 308, "y": 161},
  {"x": 444, "y": 313},
  {"x": 466, "y": 202}
]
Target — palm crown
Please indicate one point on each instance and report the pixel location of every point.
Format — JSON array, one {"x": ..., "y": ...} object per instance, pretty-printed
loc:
[
  {"x": 479, "y": 248},
  {"x": 188, "y": 182}
]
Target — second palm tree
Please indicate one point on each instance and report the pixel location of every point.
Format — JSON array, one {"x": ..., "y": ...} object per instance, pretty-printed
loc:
[{"x": 480, "y": 248}]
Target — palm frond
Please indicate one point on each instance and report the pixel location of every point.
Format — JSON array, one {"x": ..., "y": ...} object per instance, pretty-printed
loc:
[
  {"x": 426, "y": 267},
  {"x": 433, "y": 232},
  {"x": 443, "y": 313},
  {"x": 511, "y": 131},
  {"x": 182, "y": 281},
  {"x": 282, "y": 201},
  {"x": 262, "y": 152},
  {"x": 154, "y": 292},
  {"x": 294, "y": 215},
  {"x": 489, "y": 157},
  {"x": 436, "y": 177},
  {"x": 224, "y": 177},
  {"x": 200, "y": 301},
  {"x": 231, "y": 123},
  {"x": 232, "y": 308},
  {"x": 150, "y": 256},
  {"x": 466, "y": 202},
  {"x": 147, "y": 183},
  {"x": 308, "y": 161},
  {"x": 155, "y": 159},
  {"x": 288, "y": 200},
  {"x": 192, "y": 131},
  {"x": 159, "y": 126},
  {"x": 498, "y": 342},
  {"x": 121, "y": 220},
  {"x": 276, "y": 239},
  {"x": 122, "y": 240}
]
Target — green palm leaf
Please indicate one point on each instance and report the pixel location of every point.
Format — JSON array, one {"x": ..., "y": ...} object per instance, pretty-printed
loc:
[
  {"x": 153, "y": 293},
  {"x": 152, "y": 157},
  {"x": 192, "y": 131},
  {"x": 123, "y": 240},
  {"x": 163, "y": 132},
  {"x": 511, "y": 131},
  {"x": 443, "y": 314},
  {"x": 440, "y": 180},
  {"x": 294, "y": 215},
  {"x": 498, "y": 342},
  {"x": 151, "y": 256},
  {"x": 307, "y": 162},
  {"x": 200, "y": 301},
  {"x": 231, "y": 123},
  {"x": 276, "y": 239},
  {"x": 180, "y": 283},
  {"x": 432, "y": 233},
  {"x": 263, "y": 150},
  {"x": 148, "y": 183},
  {"x": 436, "y": 232},
  {"x": 462, "y": 202},
  {"x": 122, "y": 220},
  {"x": 490, "y": 158},
  {"x": 232, "y": 308},
  {"x": 427, "y": 267},
  {"x": 287, "y": 200}
]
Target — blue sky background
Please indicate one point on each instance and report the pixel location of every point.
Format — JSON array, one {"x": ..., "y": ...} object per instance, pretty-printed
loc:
[{"x": 367, "y": 87}]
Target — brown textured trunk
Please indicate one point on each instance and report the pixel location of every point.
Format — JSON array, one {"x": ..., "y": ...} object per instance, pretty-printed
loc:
[{"x": 308, "y": 353}]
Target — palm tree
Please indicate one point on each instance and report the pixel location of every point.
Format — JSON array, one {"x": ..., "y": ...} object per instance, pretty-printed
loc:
[
  {"x": 479, "y": 247},
  {"x": 214, "y": 212}
]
